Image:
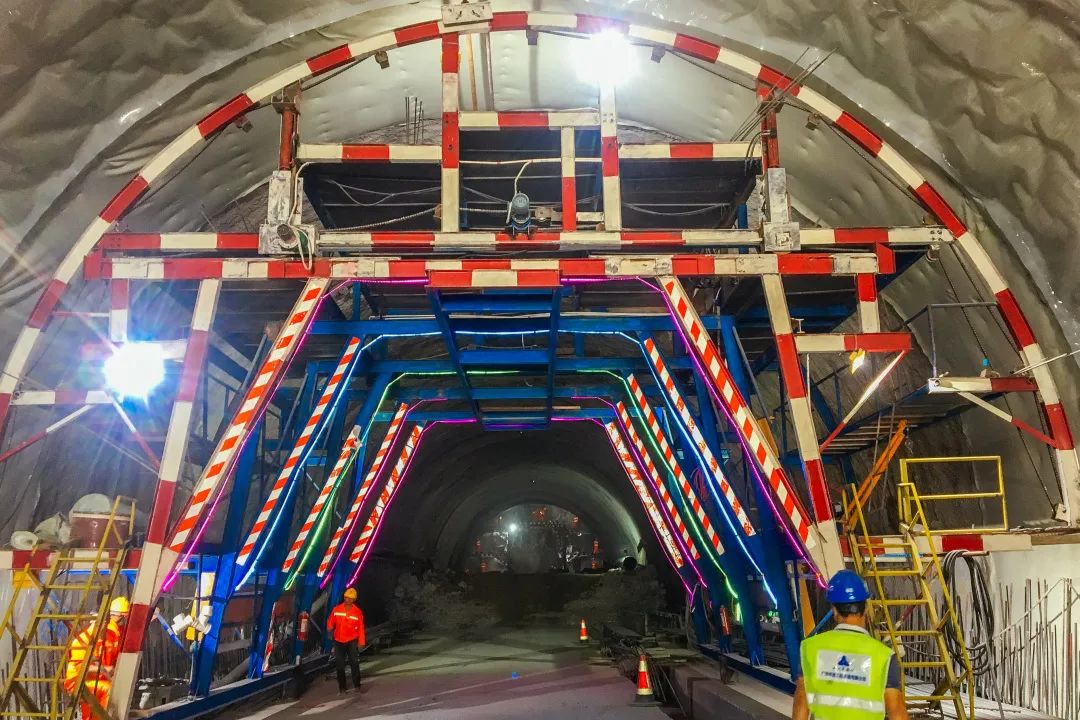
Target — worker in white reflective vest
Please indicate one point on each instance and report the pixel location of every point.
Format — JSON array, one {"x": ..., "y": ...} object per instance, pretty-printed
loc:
[{"x": 846, "y": 674}]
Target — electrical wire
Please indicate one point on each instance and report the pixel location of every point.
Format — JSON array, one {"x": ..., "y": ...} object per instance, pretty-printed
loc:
[{"x": 979, "y": 634}]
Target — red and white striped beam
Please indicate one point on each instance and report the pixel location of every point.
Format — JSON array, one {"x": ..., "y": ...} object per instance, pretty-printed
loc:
[
  {"x": 354, "y": 152},
  {"x": 345, "y": 458},
  {"x": 690, "y": 151},
  {"x": 1009, "y": 418},
  {"x": 551, "y": 120},
  {"x": 568, "y": 239},
  {"x": 568, "y": 170},
  {"x": 154, "y": 560},
  {"x": 119, "y": 304},
  {"x": 42, "y": 434},
  {"x": 840, "y": 342},
  {"x": 689, "y": 496},
  {"x": 363, "y": 543},
  {"x": 62, "y": 397},
  {"x": 627, "y": 426},
  {"x": 653, "y": 513},
  {"x": 346, "y": 527},
  {"x": 898, "y": 237},
  {"x": 255, "y": 400},
  {"x": 734, "y": 505},
  {"x": 980, "y": 385},
  {"x": 819, "y": 538},
  {"x": 180, "y": 241},
  {"x": 419, "y": 270},
  {"x": 334, "y": 386},
  {"x": 451, "y": 134},
  {"x": 82, "y": 559},
  {"x": 802, "y": 416},
  {"x": 866, "y": 293},
  {"x": 611, "y": 188}
]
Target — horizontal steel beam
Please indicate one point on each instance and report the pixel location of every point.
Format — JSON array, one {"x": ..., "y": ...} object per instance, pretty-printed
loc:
[
  {"x": 464, "y": 274},
  {"x": 416, "y": 241}
]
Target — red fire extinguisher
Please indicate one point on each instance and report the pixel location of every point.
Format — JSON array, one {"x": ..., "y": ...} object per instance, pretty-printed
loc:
[{"x": 303, "y": 631}]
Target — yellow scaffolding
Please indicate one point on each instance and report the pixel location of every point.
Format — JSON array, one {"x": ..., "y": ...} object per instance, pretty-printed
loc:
[
  {"x": 893, "y": 615},
  {"x": 41, "y": 694},
  {"x": 906, "y": 511}
]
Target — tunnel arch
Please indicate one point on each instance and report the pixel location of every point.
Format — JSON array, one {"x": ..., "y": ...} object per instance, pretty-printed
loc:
[
  {"x": 703, "y": 50},
  {"x": 450, "y": 489},
  {"x": 700, "y": 49}
]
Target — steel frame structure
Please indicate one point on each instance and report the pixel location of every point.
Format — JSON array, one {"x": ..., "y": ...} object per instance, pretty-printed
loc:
[{"x": 662, "y": 257}]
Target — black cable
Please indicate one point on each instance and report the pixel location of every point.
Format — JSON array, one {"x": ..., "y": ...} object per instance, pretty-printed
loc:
[{"x": 979, "y": 634}]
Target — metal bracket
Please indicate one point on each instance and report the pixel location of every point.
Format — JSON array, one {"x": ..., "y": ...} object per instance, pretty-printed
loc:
[
  {"x": 286, "y": 239},
  {"x": 780, "y": 236},
  {"x": 466, "y": 13}
]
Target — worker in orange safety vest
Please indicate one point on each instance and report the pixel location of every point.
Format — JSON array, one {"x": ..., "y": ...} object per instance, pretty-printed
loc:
[
  {"x": 346, "y": 622},
  {"x": 99, "y": 659}
]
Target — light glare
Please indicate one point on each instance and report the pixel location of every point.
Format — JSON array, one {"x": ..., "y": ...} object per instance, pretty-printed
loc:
[
  {"x": 135, "y": 369},
  {"x": 606, "y": 58},
  {"x": 513, "y": 527}
]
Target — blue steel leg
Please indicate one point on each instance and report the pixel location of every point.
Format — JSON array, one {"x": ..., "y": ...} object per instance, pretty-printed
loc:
[
  {"x": 772, "y": 540},
  {"x": 735, "y": 564},
  {"x": 364, "y": 418},
  {"x": 750, "y": 624},
  {"x": 203, "y": 659}
]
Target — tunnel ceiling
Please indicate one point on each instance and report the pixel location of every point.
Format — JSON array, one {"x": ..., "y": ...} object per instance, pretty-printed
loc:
[{"x": 92, "y": 95}]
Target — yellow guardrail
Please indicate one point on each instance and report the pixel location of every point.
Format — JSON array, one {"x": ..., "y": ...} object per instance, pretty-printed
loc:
[{"x": 907, "y": 512}]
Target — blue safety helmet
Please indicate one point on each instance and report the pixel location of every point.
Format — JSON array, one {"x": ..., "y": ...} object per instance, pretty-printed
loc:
[{"x": 847, "y": 587}]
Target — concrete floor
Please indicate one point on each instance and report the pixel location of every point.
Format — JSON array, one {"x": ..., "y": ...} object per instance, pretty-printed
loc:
[{"x": 431, "y": 678}]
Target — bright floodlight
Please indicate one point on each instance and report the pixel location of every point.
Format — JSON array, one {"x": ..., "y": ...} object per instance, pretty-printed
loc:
[
  {"x": 135, "y": 369},
  {"x": 606, "y": 58},
  {"x": 513, "y": 527},
  {"x": 857, "y": 359}
]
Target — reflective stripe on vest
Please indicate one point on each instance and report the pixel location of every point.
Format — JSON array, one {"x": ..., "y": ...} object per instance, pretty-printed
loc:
[
  {"x": 845, "y": 674},
  {"x": 839, "y": 701}
]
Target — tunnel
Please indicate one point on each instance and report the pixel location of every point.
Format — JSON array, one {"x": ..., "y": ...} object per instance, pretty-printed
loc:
[{"x": 544, "y": 329}]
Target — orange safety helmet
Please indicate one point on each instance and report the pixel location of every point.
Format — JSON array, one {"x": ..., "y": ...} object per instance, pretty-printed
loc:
[{"x": 350, "y": 593}]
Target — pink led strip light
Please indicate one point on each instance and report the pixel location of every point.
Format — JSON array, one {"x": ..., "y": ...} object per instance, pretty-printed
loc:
[
  {"x": 348, "y": 451},
  {"x": 299, "y": 447},
  {"x": 661, "y": 490},
  {"x": 630, "y": 466},
  {"x": 354, "y": 511},
  {"x": 255, "y": 401},
  {"x": 669, "y": 457},
  {"x": 385, "y": 497}
]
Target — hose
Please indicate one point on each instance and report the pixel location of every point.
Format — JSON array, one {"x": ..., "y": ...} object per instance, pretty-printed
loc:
[{"x": 980, "y": 633}]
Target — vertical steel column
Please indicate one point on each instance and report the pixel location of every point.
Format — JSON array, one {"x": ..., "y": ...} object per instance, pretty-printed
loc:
[
  {"x": 609, "y": 156},
  {"x": 119, "y": 303},
  {"x": 451, "y": 134},
  {"x": 866, "y": 290},
  {"x": 225, "y": 567},
  {"x": 772, "y": 541},
  {"x": 287, "y": 143},
  {"x": 147, "y": 580},
  {"x": 802, "y": 420},
  {"x": 568, "y": 153}
]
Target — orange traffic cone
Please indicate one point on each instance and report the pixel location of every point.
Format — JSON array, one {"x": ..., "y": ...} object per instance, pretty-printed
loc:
[
  {"x": 644, "y": 696},
  {"x": 583, "y": 636}
]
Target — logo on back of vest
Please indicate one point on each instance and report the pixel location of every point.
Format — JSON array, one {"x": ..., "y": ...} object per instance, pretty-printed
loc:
[{"x": 843, "y": 667}]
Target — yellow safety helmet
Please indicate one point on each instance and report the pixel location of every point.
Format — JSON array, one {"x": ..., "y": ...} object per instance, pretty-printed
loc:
[
  {"x": 350, "y": 593},
  {"x": 120, "y": 606}
]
